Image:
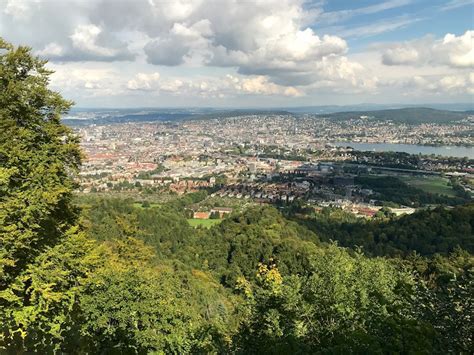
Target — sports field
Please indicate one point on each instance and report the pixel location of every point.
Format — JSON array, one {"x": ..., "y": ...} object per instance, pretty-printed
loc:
[
  {"x": 433, "y": 184},
  {"x": 207, "y": 223}
]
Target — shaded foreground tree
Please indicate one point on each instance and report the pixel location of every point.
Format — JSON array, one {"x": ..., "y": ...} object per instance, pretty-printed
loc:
[{"x": 445, "y": 297}]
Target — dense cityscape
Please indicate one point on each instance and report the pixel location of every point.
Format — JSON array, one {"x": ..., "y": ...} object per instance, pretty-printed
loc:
[{"x": 267, "y": 158}]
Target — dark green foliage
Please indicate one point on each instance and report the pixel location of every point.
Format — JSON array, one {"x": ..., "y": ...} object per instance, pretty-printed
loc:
[
  {"x": 444, "y": 297},
  {"x": 214, "y": 215},
  {"x": 38, "y": 309},
  {"x": 427, "y": 231},
  {"x": 392, "y": 189},
  {"x": 137, "y": 305},
  {"x": 61, "y": 291},
  {"x": 180, "y": 203},
  {"x": 240, "y": 242},
  {"x": 149, "y": 174},
  {"x": 164, "y": 228}
]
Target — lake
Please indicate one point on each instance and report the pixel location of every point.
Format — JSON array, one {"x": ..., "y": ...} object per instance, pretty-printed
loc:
[{"x": 447, "y": 151}]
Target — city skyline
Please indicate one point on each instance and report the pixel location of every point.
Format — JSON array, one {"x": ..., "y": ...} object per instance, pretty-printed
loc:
[{"x": 249, "y": 53}]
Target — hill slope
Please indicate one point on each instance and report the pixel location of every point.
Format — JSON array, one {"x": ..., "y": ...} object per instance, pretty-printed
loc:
[{"x": 411, "y": 115}]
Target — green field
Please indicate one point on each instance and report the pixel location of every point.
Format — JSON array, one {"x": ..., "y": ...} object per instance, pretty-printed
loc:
[
  {"x": 432, "y": 184},
  {"x": 152, "y": 205},
  {"x": 207, "y": 223}
]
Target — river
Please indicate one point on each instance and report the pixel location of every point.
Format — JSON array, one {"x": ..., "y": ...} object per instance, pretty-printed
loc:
[{"x": 447, "y": 151}]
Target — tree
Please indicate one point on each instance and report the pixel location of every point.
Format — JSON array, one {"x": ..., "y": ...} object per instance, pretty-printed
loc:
[
  {"x": 41, "y": 313},
  {"x": 384, "y": 212},
  {"x": 38, "y": 159},
  {"x": 342, "y": 304},
  {"x": 135, "y": 305},
  {"x": 38, "y": 156},
  {"x": 445, "y": 286},
  {"x": 215, "y": 215}
]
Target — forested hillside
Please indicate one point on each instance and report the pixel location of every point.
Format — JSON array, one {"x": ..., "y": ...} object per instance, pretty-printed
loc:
[
  {"x": 410, "y": 115},
  {"x": 425, "y": 232},
  {"x": 90, "y": 275},
  {"x": 269, "y": 264}
]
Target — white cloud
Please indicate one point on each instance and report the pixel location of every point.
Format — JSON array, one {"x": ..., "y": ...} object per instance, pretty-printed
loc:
[
  {"x": 265, "y": 37},
  {"x": 20, "y": 9},
  {"x": 85, "y": 38},
  {"x": 453, "y": 51},
  {"x": 458, "y": 51},
  {"x": 450, "y": 83},
  {"x": 144, "y": 82},
  {"x": 172, "y": 86},
  {"x": 229, "y": 85},
  {"x": 74, "y": 78},
  {"x": 400, "y": 56},
  {"x": 180, "y": 42},
  {"x": 86, "y": 43},
  {"x": 261, "y": 85},
  {"x": 51, "y": 50}
]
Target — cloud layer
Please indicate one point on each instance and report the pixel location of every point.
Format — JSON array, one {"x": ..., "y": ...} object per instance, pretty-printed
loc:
[{"x": 229, "y": 48}]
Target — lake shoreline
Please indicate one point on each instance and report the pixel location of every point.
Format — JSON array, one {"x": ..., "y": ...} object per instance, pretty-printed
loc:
[{"x": 442, "y": 150}]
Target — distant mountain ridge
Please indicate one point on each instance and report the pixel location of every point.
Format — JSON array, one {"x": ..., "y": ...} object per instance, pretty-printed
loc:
[
  {"x": 127, "y": 115},
  {"x": 409, "y": 115},
  {"x": 375, "y": 107}
]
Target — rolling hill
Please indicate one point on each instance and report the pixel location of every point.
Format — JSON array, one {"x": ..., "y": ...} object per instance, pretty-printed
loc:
[{"x": 411, "y": 115}]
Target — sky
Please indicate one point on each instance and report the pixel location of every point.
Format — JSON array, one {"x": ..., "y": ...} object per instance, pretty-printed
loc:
[{"x": 249, "y": 53}]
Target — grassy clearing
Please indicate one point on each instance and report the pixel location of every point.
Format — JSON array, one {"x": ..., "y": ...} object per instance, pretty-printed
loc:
[
  {"x": 432, "y": 184},
  {"x": 152, "y": 205},
  {"x": 207, "y": 223}
]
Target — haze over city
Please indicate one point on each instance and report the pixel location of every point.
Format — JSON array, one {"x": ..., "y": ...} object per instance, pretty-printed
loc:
[{"x": 249, "y": 53}]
